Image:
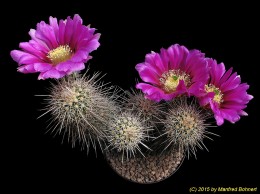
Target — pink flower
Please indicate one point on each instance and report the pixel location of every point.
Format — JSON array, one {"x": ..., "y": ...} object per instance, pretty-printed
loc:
[
  {"x": 225, "y": 94},
  {"x": 56, "y": 49},
  {"x": 173, "y": 72}
]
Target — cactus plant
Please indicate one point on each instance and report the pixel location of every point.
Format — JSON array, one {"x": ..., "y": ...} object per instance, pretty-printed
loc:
[
  {"x": 126, "y": 132},
  {"x": 80, "y": 108}
]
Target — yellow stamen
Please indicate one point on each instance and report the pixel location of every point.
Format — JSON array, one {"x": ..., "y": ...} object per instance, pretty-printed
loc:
[
  {"x": 218, "y": 97},
  {"x": 170, "y": 80},
  {"x": 60, "y": 54}
]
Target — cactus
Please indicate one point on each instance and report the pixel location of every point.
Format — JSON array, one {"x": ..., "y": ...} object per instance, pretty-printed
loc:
[
  {"x": 185, "y": 125},
  {"x": 151, "y": 112},
  {"x": 80, "y": 109},
  {"x": 125, "y": 133}
]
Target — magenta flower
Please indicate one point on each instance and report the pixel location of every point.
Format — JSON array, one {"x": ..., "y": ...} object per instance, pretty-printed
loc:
[
  {"x": 225, "y": 94},
  {"x": 173, "y": 72},
  {"x": 57, "y": 49}
]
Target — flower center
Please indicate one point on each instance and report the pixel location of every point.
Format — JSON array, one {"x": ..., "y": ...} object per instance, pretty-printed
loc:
[
  {"x": 170, "y": 80},
  {"x": 218, "y": 97},
  {"x": 60, "y": 54}
]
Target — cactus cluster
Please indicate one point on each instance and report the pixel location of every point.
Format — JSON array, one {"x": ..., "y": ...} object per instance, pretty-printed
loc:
[
  {"x": 181, "y": 90},
  {"x": 87, "y": 113}
]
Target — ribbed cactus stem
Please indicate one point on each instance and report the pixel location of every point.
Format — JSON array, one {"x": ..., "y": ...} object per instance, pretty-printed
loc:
[
  {"x": 185, "y": 125},
  {"x": 80, "y": 109}
]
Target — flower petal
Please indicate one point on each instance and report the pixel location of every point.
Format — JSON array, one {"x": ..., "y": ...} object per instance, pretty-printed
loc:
[
  {"x": 177, "y": 55},
  {"x": 147, "y": 74},
  {"x": 69, "y": 66},
  {"x": 80, "y": 56},
  {"x": 46, "y": 33},
  {"x": 52, "y": 73},
  {"x": 216, "y": 71},
  {"x": 151, "y": 92},
  {"x": 55, "y": 26},
  {"x": 68, "y": 30},
  {"x": 29, "y": 48},
  {"x": 181, "y": 88},
  {"x": 42, "y": 67},
  {"x": 206, "y": 99},
  {"x": 24, "y": 58},
  {"x": 89, "y": 45},
  {"x": 62, "y": 26},
  {"x": 37, "y": 43},
  {"x": 26, "y": 69}
]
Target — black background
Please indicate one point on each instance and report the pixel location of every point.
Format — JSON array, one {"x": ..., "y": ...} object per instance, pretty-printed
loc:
[{"x": 33, "y": 160}]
